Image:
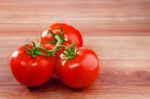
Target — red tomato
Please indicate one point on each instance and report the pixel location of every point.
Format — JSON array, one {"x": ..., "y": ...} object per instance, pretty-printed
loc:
[
  {"x": 31, "y": 71},
  {"x": 70, "y": 34},
  {"x": 81, "y": 70}
]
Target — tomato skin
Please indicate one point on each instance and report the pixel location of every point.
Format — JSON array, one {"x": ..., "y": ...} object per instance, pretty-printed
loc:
[
  {"x": 31, "y": 71},
  {"x": 79, "y": 71},
  {"x": 70, "y": 34}
]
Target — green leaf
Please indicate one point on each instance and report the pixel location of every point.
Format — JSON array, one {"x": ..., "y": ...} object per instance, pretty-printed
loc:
[
  {"x": 53, "y": 34},
  {"x": 72, "y": 47},
  {"x": 34, "y": 45},
  {"x": 60, "y": 35},
  {"x": 54, "y": 41}
]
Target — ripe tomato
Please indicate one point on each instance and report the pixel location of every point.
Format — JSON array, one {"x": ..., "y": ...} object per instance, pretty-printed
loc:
[
  {"x": 81, "y": 70},
  {"x": 70, "y": 34},
  {"x": 31, "y": 71}
]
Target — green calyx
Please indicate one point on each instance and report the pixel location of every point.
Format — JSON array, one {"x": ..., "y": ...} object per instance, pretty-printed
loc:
[
  {"x": 60, "y": 36},
  {"x": 37, "y": 51},
  {"x": 69, "y": 53}
]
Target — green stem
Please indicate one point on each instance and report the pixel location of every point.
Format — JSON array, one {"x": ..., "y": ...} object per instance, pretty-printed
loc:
[
  {"x": 49, "y": 52},
  {"x": 58, "y": 44},
  {"x": 35, "y": 50},
  {"x": 70, "y": 52}
]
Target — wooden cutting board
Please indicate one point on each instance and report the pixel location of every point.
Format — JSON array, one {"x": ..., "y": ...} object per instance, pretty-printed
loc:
[{"x": 118, "y": 30}]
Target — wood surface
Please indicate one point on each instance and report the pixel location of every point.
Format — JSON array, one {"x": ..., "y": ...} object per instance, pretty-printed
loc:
[{"x": 118, "y": 30}]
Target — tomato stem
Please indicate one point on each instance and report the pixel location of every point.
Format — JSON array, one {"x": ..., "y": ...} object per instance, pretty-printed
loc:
[
  {"x": 56, "y": 36},
  {"x": 36, "y": 51},
  {"x": 58, "y": 39},
  {"x": 58, "y": 44},
  {"x": 70, "y": 52}
]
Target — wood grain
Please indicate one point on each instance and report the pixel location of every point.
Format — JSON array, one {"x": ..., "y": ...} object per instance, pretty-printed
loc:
[
  {"x": 118, "y": 31},
  {"x": 98, "y": 17}
]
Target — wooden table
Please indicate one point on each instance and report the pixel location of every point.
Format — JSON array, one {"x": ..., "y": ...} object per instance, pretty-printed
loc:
[{"x": 118, "y": 30}]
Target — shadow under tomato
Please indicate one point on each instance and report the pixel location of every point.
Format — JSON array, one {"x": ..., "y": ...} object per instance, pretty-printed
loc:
[
  {"x": 50, "y": 84},
  {"x": 54, "y": 84}
]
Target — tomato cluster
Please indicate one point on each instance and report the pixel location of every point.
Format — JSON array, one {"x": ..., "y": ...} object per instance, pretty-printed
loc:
[{"x": 60, "y": 52}]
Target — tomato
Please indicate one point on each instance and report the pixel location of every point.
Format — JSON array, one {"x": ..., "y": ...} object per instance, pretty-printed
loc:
[
  {"x": 31, "y": 71},
  {"x": 70, "y": 34},
  {"x": 81, "y": 70}
]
